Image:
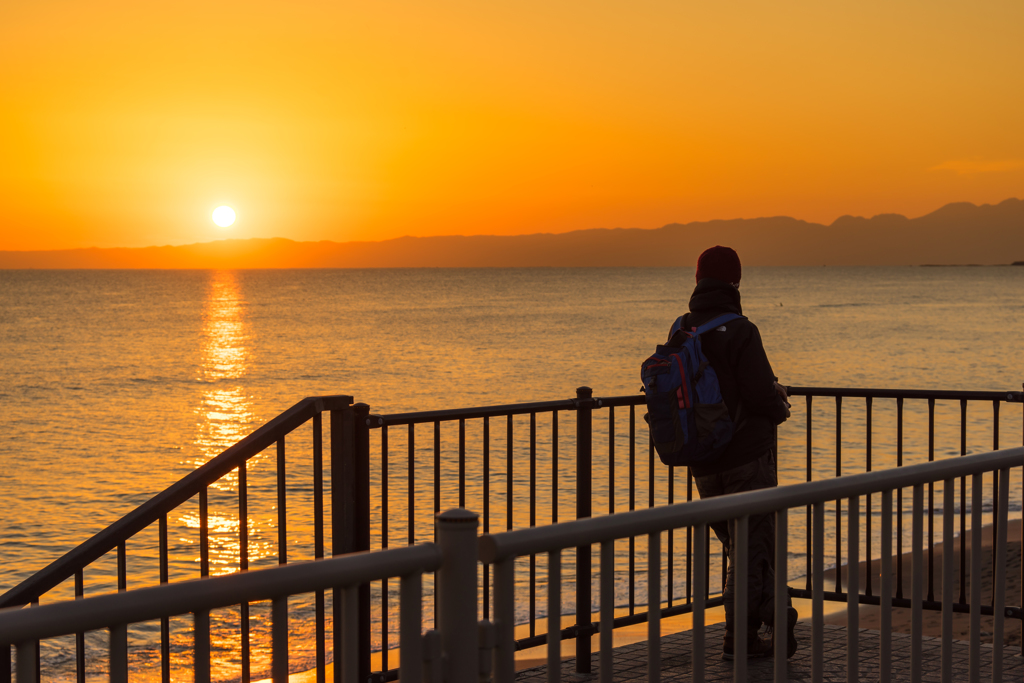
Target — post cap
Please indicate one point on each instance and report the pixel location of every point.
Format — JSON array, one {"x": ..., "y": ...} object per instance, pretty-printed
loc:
[{"x": 458, "y": 516}]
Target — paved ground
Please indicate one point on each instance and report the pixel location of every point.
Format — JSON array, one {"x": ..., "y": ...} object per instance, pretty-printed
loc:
[{"x": 631, "y": 660}]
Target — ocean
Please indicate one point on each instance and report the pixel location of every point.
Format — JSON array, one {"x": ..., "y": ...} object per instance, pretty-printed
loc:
[{"x": 118, "y": 383}]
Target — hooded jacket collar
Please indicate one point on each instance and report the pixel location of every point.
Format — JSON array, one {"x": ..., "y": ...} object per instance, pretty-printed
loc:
[{"x": 714, "y": 296}]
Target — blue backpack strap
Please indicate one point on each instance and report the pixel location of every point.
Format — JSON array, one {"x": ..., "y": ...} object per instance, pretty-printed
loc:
[
  {"x": 676, "y": 326},
  {"x": 720, "y": 320}
]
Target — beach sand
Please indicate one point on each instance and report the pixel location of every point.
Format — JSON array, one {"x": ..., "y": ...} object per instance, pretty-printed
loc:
[{"x": 870, "y": 615}]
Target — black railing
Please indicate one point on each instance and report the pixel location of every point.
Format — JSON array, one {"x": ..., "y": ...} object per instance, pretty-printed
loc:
[
  {"x": 349, "y": 521},
  {"x": 466, "y": 468}
]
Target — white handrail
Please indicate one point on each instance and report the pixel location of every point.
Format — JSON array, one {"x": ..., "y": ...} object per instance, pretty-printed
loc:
[
  {"x": 502, "y": 549},
  {"x": 542, "y": 539}
]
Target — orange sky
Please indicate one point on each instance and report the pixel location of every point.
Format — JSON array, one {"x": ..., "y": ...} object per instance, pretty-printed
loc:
[{"x": 127, "y": 123}]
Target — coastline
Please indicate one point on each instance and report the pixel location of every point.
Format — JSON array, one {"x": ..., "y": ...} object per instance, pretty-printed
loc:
[{"x": 870, "y": 615}]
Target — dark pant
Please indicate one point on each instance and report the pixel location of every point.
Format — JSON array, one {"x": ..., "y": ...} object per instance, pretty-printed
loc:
[{"x": 759, "y": 474}]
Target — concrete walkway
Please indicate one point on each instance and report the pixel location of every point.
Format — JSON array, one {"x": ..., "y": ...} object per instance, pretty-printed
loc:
[{"x": 631, "y": 660}]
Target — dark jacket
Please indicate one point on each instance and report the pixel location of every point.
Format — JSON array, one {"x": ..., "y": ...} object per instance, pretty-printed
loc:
[{"x": 744, "y": 374}]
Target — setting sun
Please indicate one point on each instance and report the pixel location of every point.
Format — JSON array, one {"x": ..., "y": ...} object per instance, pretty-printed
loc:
[{"x": 223, "y": 216}]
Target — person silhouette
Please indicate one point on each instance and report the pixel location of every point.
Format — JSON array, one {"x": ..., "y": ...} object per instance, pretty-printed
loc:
[{"x": 756, "y": 403}]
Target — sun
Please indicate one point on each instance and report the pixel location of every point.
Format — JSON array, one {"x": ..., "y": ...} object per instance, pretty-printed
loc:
[{"x": 223, "y": 216}]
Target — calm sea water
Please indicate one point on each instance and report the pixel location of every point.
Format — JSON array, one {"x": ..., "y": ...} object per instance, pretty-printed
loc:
[{"x": 117, "y": 383}]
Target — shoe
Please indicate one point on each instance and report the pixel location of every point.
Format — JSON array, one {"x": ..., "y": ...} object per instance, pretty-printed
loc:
[
  {"x": 756, "y": 647},
  {"x": 792, "y": 616}
]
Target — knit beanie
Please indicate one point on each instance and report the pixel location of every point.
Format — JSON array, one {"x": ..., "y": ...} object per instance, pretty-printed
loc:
[{"x": 720, "y": 263}]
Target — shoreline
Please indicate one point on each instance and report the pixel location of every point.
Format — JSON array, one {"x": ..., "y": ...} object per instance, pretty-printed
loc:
[{"x": 869, "y": 616}]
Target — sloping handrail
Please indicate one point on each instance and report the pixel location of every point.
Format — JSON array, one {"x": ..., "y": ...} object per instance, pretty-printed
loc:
[{"x": 149, "y": 512}]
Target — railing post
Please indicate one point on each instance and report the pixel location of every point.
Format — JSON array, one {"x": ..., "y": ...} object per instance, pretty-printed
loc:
[
  {"x": 457, "y": 596},
  {"x": 350, "y": 512},
  {"x": 584, "y": 486}
]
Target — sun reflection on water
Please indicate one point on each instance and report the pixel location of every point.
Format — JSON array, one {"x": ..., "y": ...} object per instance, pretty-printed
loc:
[
  {"x": 224, "y": 416},
  {"x": 225, "y": 411}
]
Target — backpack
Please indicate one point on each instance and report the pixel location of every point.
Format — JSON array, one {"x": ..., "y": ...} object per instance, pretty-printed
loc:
[{"x": 688, "y": 418}]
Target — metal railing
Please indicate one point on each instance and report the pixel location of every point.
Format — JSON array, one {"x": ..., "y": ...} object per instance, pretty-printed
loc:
[
  {"x": 346, "y": 576},
  {"x": 503, "y": 549},
  {"x": 348, "y": 522},
  {"x": 369, "y": 499},
  {"x": 464, "y": 649}
]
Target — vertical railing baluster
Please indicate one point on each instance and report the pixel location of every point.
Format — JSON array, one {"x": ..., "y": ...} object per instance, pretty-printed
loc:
[
  {"x": 165, "y": 622},
  {"x": 437, "y": 495},
  {"x": 607, "y": 607},
  {"x": 899, "y": 492},
  {"x": 995, "y": 425},
  {"x": 995, "y": 481},
  {"x": 632, "y": 506},
  {"x": 119, "y": 655},
  {"x": 204, "y": 532},
  {"x": 318, "y": 544},
  {"x": 781, "y": 621},
  {"x": 554, "y": 639},
  {"x": 243, "y": 566},
  {"x": 707, "y": 562},
  {"x": 487, "y": 513},
  {"x": 347, "y": 622},
  {"x": 282, "y": 505},
  {"x": 201, "y": 646},
  {"x": 867, "y": 501},
  {"x": 653, "y": 608},
  {"x": 584, "y": 509},
  {"x": 839, "y": 503},
  {"x": 1002, "y": 501},
  {"x": 885, "y": 592},
  {"x": 650, "y": 472},
  {"x": 963, "y": 505},
  {"x": 279, "y": 640},
  {"x": 462, "y": 462},
  {"x": 931, "y": 502},
  {"x": 509, "y": 479},
  {"x": 818, "y": 595},
  {"x": 809, "y": 473},
  {"x": 26, "y": 662},
  {"x": 122, "y": 567},
  {"x": 410, "y": 640},
  {"x": 700, "y": 589},
  {"x": 740, "y": 607},
  {"x": 119, "y": 634},
  {"x": 977, "y": 488},
  {"x": 411, "y": 494},
  {"x": 853, "y": 591},
  {"x": 437, "y": 467},
  {"x": 554, "y": 467},
  {"x": 505, "y": 619},
  {"x": 384, "y": 544},
  {"x": 533, "y": 521},
  {"x": 79, "y": 637},
  {"x": 948, "y": 490},
  {"x": 917, "y": 589},
  {"x": 611, "y": 460},
  {"x": 671, "y": 539},
  {"x": 37, "y": 653},
  {"x": 689, "y": 539}
]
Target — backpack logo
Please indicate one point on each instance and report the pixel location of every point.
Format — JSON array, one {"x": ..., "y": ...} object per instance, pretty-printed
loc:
[{"x": 689, "y": 421}]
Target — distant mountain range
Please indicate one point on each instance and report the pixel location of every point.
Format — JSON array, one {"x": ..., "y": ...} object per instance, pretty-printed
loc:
[{"x": 960, "y": 233}]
